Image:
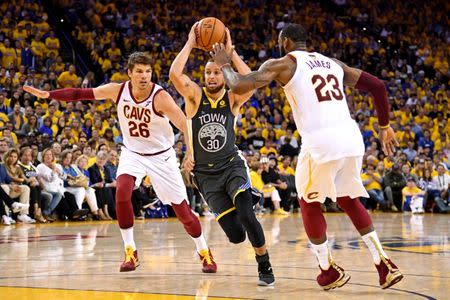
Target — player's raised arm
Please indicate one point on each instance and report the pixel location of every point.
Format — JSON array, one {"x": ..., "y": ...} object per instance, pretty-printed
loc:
[
  {"x": 107, "y": 91},
  {"x": 184, "y": 85},
  {"x": 241, "y": 84},
  {"x": 366, "y": 82},
  {"x": 241, "y": 67}
]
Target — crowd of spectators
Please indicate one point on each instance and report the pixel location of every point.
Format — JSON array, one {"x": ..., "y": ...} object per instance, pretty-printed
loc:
[{"x": 56, "y": 144}]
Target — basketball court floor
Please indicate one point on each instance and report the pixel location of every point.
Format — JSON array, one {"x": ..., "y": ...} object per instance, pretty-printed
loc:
[{"x": 81, "y": 261}]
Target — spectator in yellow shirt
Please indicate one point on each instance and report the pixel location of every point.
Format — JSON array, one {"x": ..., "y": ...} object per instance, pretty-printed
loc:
[
  {"x": 8, "y": 55},
  {"x": 410, "y": 193},
  {"x": 52, "y": 44},
  {"x": 58, "y": 67},
  {"x": 38, "y": 47},
  {"x": 372, "y": 182},
  {"x": 68, "y": 79},
  {"x": 285, "y": 167},
  {"x": 268, "y": 148},
  {"x": 120, "y": 76},
  {"x": 114, "y": 53},
  {"x": 268, "y": 190}
]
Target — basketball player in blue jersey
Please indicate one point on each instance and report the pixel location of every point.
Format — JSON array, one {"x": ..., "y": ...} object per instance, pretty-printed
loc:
[{"x": 220, "y": 171}]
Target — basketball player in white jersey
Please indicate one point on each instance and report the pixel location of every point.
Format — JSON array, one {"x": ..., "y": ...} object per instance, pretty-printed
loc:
[
  {"x": 331, "y": 155},
  {"x": 144, "y": 110}
]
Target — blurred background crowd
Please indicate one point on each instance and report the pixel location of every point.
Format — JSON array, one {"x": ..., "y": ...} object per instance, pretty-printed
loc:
[{"x": 59, "y": 159}]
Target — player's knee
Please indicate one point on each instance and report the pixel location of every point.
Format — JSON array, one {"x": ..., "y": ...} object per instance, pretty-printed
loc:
[
  {"x": 236, "y": 237},
  {"x": 310, "y": 209},
  {"x": 347, "y": 203},
  {"x": 124, "y": 188}
]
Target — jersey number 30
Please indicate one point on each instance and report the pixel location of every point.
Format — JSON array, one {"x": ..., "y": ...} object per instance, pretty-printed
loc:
[
  {"x": 140, "y": 130},
  {"x": 324, "y": 92}
]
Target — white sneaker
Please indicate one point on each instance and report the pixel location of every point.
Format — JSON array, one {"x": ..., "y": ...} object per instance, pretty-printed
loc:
[
  {"x": 25, "y": 219},
  {"x": 17, "y": 206},
  {"x": 11, "y": 220},
  {"x": 5, "y": 220}
]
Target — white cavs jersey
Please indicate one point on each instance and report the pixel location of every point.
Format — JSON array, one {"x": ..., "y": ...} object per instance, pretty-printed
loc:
[
  {"x": 320, "y": 109},
  {"x": 144, "y": 130}
]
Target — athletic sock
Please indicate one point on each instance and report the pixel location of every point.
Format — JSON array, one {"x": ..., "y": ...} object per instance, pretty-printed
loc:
[
  {"x": 200, "y": 243},
  {"x": 128, "y": 237},
  {"x": 323, "y": 254},
  {"x": 374, "y": 245}
]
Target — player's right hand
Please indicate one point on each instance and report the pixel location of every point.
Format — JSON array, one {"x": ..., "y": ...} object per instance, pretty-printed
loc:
[
  {"x": 229, "y": 43},
  {"x": 192, "y": 37},
  {"x": 36, "y": 92},
  {"x": 388, "y": 141}
]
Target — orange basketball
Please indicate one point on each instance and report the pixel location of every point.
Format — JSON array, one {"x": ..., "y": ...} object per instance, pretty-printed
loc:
[{"x": 210, "y": 31}]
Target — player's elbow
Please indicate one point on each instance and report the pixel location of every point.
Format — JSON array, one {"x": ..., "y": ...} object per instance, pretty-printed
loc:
[
  {"x": 172, "y": 75},
  {"x": 378, "y": 84},
  {"x": 238, "y": 90}
]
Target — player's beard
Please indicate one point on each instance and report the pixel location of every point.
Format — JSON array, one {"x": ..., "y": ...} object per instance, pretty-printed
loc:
[
  {"x": 215, "y": 90},
  {"x": 282, "y": 51}
]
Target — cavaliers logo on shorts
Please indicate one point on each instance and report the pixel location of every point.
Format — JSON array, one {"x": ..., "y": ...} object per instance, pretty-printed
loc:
[{"x": 212, "y": 137}]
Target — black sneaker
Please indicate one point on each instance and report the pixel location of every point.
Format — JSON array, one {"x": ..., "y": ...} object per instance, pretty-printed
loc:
[
  {"x": 80, "y": 213},
  {"x": 265, "y": 272}
]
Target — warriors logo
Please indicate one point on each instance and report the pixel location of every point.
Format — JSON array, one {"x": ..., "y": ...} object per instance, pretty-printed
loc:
[{"x": 212, "y": 137}]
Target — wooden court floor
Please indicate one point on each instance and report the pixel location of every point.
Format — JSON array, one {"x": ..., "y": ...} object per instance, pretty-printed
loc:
[{"x": 81, "y": 261}]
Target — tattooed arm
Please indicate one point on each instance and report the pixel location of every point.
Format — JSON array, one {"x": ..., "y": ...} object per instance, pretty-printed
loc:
[
  {"x": 269, "y": 71},
  {"x": 280, "y": 70}
]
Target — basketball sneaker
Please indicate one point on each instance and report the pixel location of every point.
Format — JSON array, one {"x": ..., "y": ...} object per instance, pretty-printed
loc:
[
  {"x": 388, "y": 272},
  {"x": 280, "y": 212},
  {"x": 207, "y": 259},
  {"x": 131, "y": 261},
  {"x": 265, "y": 272},
  {"x": 333, "y": 277}
]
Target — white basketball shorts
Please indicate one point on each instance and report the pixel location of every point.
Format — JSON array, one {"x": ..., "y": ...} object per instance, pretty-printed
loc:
[
  {"x": 336, "y": 178},
  {"x": 162, "y": 169}
]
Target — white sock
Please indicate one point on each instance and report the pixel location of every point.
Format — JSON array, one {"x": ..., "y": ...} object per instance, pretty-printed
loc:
[
  {"x": 323, "y": 254},
  {"x": 128, "y": 237},
  {"x": 200, "y": 243},
  {"x": 374, "y": 245}
]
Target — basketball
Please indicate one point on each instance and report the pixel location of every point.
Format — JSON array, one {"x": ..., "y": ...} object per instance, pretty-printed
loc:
[{"x": 210, "y": 31}]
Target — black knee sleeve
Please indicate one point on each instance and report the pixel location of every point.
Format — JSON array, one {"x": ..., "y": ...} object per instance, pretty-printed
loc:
[
  {"x": 232, "y": 227},
  {"x": 244, "y": 208}
]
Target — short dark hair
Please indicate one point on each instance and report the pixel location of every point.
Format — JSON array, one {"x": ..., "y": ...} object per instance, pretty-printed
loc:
[
  {"x": 138, "y": 58},
  {"x": 294, "y": 32}
]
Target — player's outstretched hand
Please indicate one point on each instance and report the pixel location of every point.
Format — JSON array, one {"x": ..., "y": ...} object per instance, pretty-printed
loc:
[
  {"x": 188, "y": 163},
  {"x": 229, "y": 47},
  {"x": 388, "y": 141},
  {"x": 220, "y": 55},
  {"x": 36, "y": 92}
]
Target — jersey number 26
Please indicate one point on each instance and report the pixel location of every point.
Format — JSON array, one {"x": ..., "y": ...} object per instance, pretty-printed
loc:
[{"x": 140, "y": 130}]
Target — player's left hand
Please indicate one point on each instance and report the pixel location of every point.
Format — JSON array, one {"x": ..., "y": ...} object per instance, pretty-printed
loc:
[
  {"x": 220, "y": 55},
  {"x": 388, "y": 141},
  {"x": 188, "y": 163}
]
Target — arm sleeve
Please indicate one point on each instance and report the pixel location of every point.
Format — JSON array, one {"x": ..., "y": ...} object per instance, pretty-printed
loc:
[
  {"x": 375, "y": 86},
  {"x": 72, "y": 94}
]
